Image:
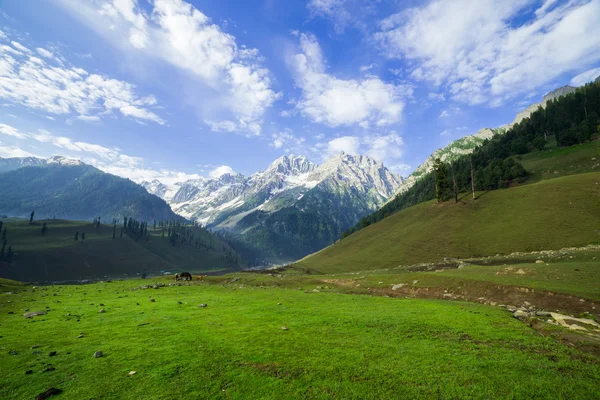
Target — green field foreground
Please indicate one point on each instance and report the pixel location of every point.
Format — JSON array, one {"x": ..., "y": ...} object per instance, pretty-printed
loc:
[
  {"x": 337, "y": 345},
  {"x": 550, "y": 214}
]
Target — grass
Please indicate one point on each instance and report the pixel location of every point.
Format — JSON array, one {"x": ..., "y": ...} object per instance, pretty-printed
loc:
[
  {"x": 337, "y": 346},
  {"x": 554, "y": 161},
  {"x": 550, "y": 214},
  {"x": 57, "y": 256}
]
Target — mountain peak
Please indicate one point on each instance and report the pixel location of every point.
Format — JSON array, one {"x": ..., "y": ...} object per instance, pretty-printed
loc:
[
  {"x": 291, "y": 165},
  {"x": 60, "y": 160}
]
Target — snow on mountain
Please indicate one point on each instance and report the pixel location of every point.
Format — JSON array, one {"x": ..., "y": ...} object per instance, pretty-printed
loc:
[
  {"x": 159, "y": 189},
  {"x": 467, "y": 144},
  {"x": 60, "y": 160},
  {"x": 222, "y": 202},
  {"x": 10, "y": 164}
]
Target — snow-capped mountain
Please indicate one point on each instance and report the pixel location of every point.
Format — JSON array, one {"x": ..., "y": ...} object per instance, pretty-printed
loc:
[
  {"x": 10, "y": 164},
  {"x": 292, "y": 200},
  {"x": 467, "y": 144},
  {"x": 221, "y": 202},
  {"x": 159, "y": 189}
]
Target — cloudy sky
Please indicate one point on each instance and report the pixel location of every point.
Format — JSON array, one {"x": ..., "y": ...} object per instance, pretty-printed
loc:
[{"x": 174, "y": 89}]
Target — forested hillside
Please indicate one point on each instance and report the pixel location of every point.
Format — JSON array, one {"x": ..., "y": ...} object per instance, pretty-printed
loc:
[
  {"x": 566, "y": 121},
  {"x": 79, "y": 192}
]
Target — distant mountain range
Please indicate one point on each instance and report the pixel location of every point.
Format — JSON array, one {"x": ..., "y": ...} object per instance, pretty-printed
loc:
[
  {"x": 10, "y": 164},
  {"x": 292, "y": 208},
  {"x": 66, "y": 188},
  {"x": 467, "y": 144}
]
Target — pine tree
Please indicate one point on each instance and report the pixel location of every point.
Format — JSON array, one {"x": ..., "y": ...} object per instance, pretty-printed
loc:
[
  {"x": 9, "y": 255},
  {"x": 1, "y": 223},
  {"x": 76, "y": 235},
  {"x": 31, "y": 217},
  {"x": 44, "y": 229},
  {"x": 82, "y": 236}
]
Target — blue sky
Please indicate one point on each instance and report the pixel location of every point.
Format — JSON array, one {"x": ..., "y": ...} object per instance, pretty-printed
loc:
[{"x": 174, "y": 89}]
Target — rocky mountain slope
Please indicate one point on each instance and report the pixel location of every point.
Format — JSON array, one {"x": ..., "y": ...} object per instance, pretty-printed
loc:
[
  {"x": 467, "y": 144},
  {"x": 290, "y": 209}
]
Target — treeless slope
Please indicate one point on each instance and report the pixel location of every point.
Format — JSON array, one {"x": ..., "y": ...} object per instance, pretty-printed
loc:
[{"x": 550, "y": 214}]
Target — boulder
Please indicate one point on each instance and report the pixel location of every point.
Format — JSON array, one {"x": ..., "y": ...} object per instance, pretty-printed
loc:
[
  {"x": 520, "y": 314},
  {"x": 98, "y": 354},
  {"x": 539, "y": 262}
]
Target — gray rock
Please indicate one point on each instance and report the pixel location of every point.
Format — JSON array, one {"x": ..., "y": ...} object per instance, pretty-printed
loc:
[
  {"x": 543, "y": 313},
  {"x": 98, "y": 354},
  {"x": 398, "y": 286},
  {"x": 539, "y": 261},
  {"x": 102, "y": 310},
  {"x": 284, "y": 328},
  {"x": 520, "y": 314},
  {"x": 34, "y": 314},
  {"x": 202, "y": 305}
]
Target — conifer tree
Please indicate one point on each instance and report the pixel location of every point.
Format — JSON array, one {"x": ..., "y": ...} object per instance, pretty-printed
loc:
[
  {"x": 44, "y": 229},
  {"x": 31, "y": 217},
  {"x": 9, "y": 255},
  {"x": 82, "y": 236},
  {"x": 76, "y": 235}
]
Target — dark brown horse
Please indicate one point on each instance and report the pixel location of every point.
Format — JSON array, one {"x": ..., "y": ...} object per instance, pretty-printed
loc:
[{"x": 186, "y": 276}]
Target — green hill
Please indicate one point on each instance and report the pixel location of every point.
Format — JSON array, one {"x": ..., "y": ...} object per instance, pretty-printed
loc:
[
  {"x": 58, "y": 256},
  {"x": 550, "y": 214}
]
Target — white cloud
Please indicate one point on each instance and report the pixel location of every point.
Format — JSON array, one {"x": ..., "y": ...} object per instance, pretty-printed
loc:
[
  {"x": 11, "y": 131},
  {"x": 445, "y": 133},
  {"x": 235, "y": 85},
  {"x": 586, "y": 77},
  {"x": 483, "y": 52},
  {"x": 88, "y": 118},
  {"x": 436, "y": 96},
  {"x": 248, "y": 129},
  {"x": 104, "y": 158},
  {"x": 402, "y": 169},
  {"x": 333, "y": 9},
  {"x": 20, "y": 47},
  {"x": 387, "y": 148},
  {"x": 384, "y": 147},
  {"x": 287, "y": 138},
  {"x": 346, "y": 144},
  {"x": 444, "y": 114},
  {"x": 45, "y": 53},
  {"x": 220, "y": 171},
  {"x": 334, "y": 102},
  {"x": 56, "y": 89},
  {"x": 366, "y": 68},
  {"x": 11, "y": 151}
]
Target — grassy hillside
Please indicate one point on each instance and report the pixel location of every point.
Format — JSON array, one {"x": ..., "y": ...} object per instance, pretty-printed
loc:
[
  {"x": 337, "y": 346},
  {"x": 57, "y": 256},
  {"x": 550, "y": 214},
  {"x": 555, "y": 161}
]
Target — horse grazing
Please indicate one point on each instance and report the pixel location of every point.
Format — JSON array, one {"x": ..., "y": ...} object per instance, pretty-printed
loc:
[
  {"x": 200, "y": 278},
  {"x": 186, "y": 276}
]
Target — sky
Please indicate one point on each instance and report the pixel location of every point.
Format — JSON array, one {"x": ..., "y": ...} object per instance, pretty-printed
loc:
[{"x": 175, "y": 90}]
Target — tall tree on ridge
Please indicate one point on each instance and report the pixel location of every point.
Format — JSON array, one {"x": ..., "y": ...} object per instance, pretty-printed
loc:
[
  {"x": 473, "y": 179},
  {"x": 31, "y": 217}
]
